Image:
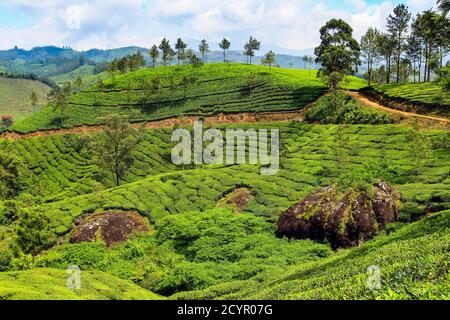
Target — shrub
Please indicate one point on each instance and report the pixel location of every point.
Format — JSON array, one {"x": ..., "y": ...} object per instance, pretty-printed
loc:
[
  {"x": 348, "y": 111},
  {"x": 5, "y": 261},
  {"x": 9, "y": 213},
  {"x": 7, "y": 120}
]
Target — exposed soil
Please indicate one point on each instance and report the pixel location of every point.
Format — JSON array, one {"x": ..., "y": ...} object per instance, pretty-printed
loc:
[
  {"x": 345, "y": 220},
  {"x": 111, "y": 227},
  {"x": 239, "y": 199},
  {"x": 428, "y": 120},
  {"x": 222, "y": 118}
]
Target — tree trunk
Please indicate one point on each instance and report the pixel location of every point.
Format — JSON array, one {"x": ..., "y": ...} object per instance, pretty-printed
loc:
[
  {"x": 414, "y": 70},
  {"x": 426, "y": 63},
  {"x": 224, "y": 55},
  {"x": 399, "y": 54},
  {"x": 369, "y": 71},
  {"x": 420, "y": 65},
  {"x": 388, "y": 78},
  {"x": 429, "y": 62}
]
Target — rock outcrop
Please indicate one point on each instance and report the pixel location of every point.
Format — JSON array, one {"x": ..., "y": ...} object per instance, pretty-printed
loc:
[
  {"x": 344, "y": 220},
  {"x": 111, "y": 227}
]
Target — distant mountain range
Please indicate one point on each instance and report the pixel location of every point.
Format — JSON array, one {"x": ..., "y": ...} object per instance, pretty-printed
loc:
[{"x": 51, "y": 61}]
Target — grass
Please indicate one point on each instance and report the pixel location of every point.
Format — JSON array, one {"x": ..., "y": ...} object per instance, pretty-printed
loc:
[
  {"x": 51, "y": 284},
  {"x": 184, "y": 91},
  {"x": 15, "y": 97},
  {"x": 413, "y": 264}
]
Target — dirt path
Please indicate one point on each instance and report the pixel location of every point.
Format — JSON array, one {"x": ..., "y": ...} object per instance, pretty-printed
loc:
[
  {"x": 245, "y": 117},
  {"x": 430, "y": 120}
]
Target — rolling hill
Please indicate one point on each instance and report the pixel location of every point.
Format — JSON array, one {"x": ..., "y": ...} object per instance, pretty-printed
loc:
[
  {"x": 15, "y": 96},
  {"x": 183, "y": 91}
]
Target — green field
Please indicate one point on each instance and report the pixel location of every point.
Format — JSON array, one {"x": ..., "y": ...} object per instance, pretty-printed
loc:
[
  {"x": 184, "y": 91},
  {"x": 15, "y": 96},
  {"x": 429, "y": 96}
]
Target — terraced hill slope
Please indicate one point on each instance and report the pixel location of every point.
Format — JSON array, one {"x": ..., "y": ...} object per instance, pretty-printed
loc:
[
  {"x": 15, "y": 97},
  {"x": 423, "y": 98},
  {"x": 157, "y": 187},
  {"x": 51, "y": 284},
  {"x": 152, "y": 94}
]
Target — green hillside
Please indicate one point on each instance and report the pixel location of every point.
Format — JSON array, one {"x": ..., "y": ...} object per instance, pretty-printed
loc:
[
  {"x": 183, "y": 91},
  {"x": 85, "y": 72},
  {"x": 51, "y": 284},
  {"x": 426, "y": 98},
  {"x": 15, "y": 96},
  {"x": 413, "y": 264}
]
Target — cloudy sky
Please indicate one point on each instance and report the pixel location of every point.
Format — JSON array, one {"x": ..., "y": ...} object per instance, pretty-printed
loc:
[{"x": 283, "y": 25}]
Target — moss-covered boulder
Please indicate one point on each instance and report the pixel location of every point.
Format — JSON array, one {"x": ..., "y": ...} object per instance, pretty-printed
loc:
[
  {"x": 343, "y": 219},
  {"x": 110, "y": 227}
]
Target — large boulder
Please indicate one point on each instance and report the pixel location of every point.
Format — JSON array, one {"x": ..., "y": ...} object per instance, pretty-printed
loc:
[
  {"x": 344, "y": 220},
  {"x": 110, "y": 227}
]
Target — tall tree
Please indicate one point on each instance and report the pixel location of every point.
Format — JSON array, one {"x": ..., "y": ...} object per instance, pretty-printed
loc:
[
  {"x": 154, "y": 55},
  {"x": 397, "y": 25},
  {"x": 204, "y": 49},
  {"x": 310, "y": 62},
  {"x": 180, "y": 47},
  {"x": 369, "y": 50},
  {"x": 78, "y": 84},
  {"x": 338, "y": 54},
  {"x": 413, "y": 52},
  {"x": 428, "y": 29},
  {"x": 167, "y": 52},
  {"x": 305, "y": 61},
  {"x": 34, "y": 101},
  {"x": 60, "y": 100},
  {"x": 224, "y": 45},
  {"x": 112, "y": 148},
  {"x": 444, "y": 6},
  {"x": 269, "y": 59},
  {"x": 386, "y": 45},
  {"x": 250, "y": 47}
]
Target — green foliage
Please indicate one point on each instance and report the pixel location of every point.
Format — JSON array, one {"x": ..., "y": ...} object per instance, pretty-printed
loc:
[
  {"x": 33, "y": 233},
  {"x": 112, "y": 148},
  {"x": 421, "y": 150},
  {"x": 346, "y": 111},
  {"x": 429, "y": 94},
  {"x": 338, "y": 53},
  {"x": 269, "y": 59},
  {"x": 50, "y": 284},
  {"x": 413, "y": 262},
  {"x": 12, "y": 173},
  {"x": 9, "y": 212}
]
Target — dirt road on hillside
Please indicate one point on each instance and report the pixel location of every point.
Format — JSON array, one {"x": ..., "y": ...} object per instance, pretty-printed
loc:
[
  {"x": 222, "y": 118},
  {"x": 429, "y": 120}
]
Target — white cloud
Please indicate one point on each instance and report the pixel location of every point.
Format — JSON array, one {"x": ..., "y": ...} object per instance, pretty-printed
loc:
[{"x": 291, "y": 24}]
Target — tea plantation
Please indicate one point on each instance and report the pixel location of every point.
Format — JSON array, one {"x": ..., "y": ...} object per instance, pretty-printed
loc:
[
  {"x": 160, "y": 93},
  {"x": 199, "y": 246},
  {"x": 430, "y": 96}
]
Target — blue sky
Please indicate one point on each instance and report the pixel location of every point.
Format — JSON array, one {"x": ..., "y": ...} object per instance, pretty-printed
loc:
[{"x": 288, "y": 26}]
